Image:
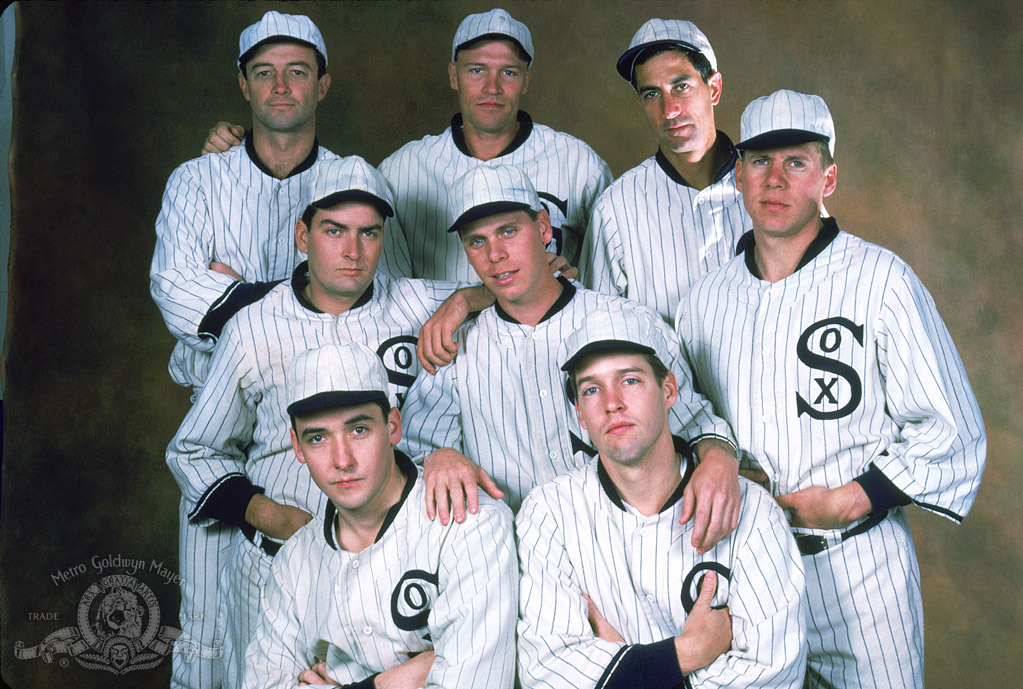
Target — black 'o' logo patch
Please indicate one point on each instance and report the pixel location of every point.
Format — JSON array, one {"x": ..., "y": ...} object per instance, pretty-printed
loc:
[
  {"x": 399, "y": 357},
  {"x": 411, "y": 599},
  {"x": 694, "y": 580}
]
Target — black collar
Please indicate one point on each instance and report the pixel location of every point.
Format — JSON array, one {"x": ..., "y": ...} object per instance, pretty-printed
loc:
[
  {"x": 826, "y": 235},
  {"x": 683, "y": 450},
  {"x": 300, "y": 279},
  {"x": 525, "y": 129},
  {"x": 567, "y": 292},
  {"x": 250, "y": 148},
  {"x": 411, "y": 473},
  {"x": 722, "y": 140}
]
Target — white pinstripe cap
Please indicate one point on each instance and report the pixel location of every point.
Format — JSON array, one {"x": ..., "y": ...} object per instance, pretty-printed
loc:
[
  {"x": 335, "y": 376},
  {"x": 274, "y": 25},
  {"x": 665, "y": 33},
  {"x": 351, "y": 178},
  {"x": 786, "y": 118},
  {"x": 488, "y": 190},
  {"x": 496, "y": 22},
  {"x": 603, "y": 331}
]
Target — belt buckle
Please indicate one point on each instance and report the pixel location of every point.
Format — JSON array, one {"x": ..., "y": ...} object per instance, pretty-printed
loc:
[{"x": 810, "y": 544}]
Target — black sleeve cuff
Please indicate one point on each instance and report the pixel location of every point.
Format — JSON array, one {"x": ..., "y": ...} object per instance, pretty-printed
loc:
[
  {"x": 364, "y": 684},
  {"x": 644, "y": 666},
  {"x": 234, "y": 299},
  {"x": 883, "y": 494},
  {"x": 229, "y": 500}
]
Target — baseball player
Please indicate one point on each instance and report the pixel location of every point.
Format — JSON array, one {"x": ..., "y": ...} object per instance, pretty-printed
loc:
[
  {"x": 678, "y": 214},
  {"x": 499, "y": 402},
  {"x": 606, "y": 536},
  {"x": 829, "y": 359},
  {"x": 373, "y": 587},
  {"x": 232, "y": 454},
  {"x": 224, "y": 237}
]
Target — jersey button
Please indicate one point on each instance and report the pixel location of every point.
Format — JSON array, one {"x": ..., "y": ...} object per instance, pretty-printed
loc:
[
  {"x": 367, "y": 630},
  {"x": 554, "y": 455},
  {"x": 355, "y": 564},
  {"x": 543, "y": 393},
  {"x": 536, "y": 336}
]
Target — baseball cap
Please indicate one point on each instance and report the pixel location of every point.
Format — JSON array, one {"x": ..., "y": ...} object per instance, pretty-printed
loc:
[
  {"x": 786, "y": 118},
  {"x": 334, "y": 376},
  {"x": 275, "y": 26},
  {"x": 613, "y": 331},
  {"x": 351, "y": 178},
  {"x": 497, "y": 23},
  {"x": 666, "y": 33},
  {"x": 488, "y": 190}
]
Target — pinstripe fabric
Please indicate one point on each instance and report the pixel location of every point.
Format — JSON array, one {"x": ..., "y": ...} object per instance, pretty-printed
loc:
[
  {"x": 223, "y": 207},
  {"x": 345, "y": 608},
  {"x": 502, "y": 402},
  {"x": 572, "y": 540},
  {"x": 651, "y": 237},
  {"x": 560, "y": 166},
  {"x": 843, "y": 364}
]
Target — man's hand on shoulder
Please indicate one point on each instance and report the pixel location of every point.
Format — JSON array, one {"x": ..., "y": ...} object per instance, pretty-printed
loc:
[
  {"x": 712, "y": 497},
  {"x": 437, "y": 346},
  {"x": 274, "y": 519},
  {"x": 222, "y": 137},
  {"x": 559, "y": 265},
  {"x": 451, "y": 481}
]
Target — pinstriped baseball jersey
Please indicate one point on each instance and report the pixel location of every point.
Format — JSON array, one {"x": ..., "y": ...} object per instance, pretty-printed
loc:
[
  {"x": 842, "y": 364},
  {"x": 576, "y": 536},
  {"x": 651, "y": 235},
  {"x": 502, "y": 401},
  {"x": 226, "y": 207},
  {"x": 239, "y": 424},
  {"x": 422, "y": 586},
  {"x": 567, "y": 173}
]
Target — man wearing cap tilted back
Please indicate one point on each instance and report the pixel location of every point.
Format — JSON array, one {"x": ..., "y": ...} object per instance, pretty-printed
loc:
[
  {"x": 607, "y": 537},
  {"x": 232, "y": 454},
  {"x": 497, "y": 411},
  {"x": 371, "y": 588},
  {"x": 225, "y": 236},
  {"x": 677, "y": 215},
  {"x": 842, "y": 383}
]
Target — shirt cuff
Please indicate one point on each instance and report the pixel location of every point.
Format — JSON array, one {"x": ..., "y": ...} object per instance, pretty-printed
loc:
[
  {"x": 234, "y": 299},
  {"x": 644, "y": 666},
  {"x": 229, "y": 500},
  {"x": 882, "y": 493}
]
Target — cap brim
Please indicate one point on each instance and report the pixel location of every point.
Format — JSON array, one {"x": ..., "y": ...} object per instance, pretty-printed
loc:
[
  {"x": 337, "y": 197},
  {"x": 780, "y": 138},
  {"x": 333, "y": 400},
  {"x": 485, "y": 210},
  {"x": 602, "y": 346},
  {"x": 280, "y": 38},
  {"x": 626, "y": 63}
]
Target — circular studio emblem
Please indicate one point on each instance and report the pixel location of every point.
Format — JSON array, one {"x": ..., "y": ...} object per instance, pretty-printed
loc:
[{"x": 119, "y": 619}]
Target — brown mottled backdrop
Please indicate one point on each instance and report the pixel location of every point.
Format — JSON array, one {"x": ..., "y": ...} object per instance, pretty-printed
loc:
[{"x": 110, "y": 97}]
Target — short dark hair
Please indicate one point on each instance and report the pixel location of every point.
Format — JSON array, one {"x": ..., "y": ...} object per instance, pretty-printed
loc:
[
  {"x": 698, "y": 60},
  {"x": 385, "y": 409},
  {"x": 660, "y": 371},
  {"x": 519, "y": 50},
  {"x": 243, "y": 61}
]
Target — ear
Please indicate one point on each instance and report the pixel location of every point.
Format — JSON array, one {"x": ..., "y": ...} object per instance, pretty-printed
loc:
[
  {"x": 525, "y": 81},
  {"x": 323, "y": 87},
  {"x": 670, "y": 388},
  {"x": 738, "y": 172},
  {"x": 394, "y": 425},
  {"x": 579, "y": 414},
  {"x": 830, "y": 179},
  {"x": 298, "y": 448},
  {"x": 302, "y": 237},
  {"x": 243, "y": 84},
  {"x": 544, "y": 218},
  {"x": 714, "y": 82},
  {"x": 452, "y": 76}
]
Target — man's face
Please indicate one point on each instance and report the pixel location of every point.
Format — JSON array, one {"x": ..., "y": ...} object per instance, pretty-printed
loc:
[
  {"x": 678, "y": 105},
  {"x": 344, "y": 245},
  {"x": 622, "y": 406},
  {"x": 507, "y": 252},
  {"x": 281, "y": 86},
  {"x": 491, "y": 79},
  {"x": 349, "y": 452},
  {"x": 783, "y": 188}
]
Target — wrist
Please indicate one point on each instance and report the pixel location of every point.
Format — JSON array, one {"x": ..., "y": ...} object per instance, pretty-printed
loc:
[
  {"x": 856, "y": 504},
  {"x": 714, "y": 449}
]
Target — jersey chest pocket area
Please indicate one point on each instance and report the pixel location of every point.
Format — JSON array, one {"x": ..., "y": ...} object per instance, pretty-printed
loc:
[{"x": 412, "y": 599}]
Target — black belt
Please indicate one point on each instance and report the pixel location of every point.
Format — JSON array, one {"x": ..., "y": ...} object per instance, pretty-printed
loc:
[
  {"x": 265, "y": 544},
  {"x": 810, "y": 544}
]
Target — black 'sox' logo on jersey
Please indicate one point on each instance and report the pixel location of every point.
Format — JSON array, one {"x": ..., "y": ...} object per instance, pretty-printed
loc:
[
  {"x": 399, "y": 357},
  {"x": 559, "y": 217},
  {"x": 829, "y": 340},
  {"x": 411, "y": 599},
  {"x": 694, "y": 580}
]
